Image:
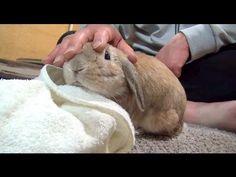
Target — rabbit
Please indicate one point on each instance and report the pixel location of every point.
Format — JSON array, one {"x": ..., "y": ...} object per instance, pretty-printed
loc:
[{"x": 147, "y": 90}]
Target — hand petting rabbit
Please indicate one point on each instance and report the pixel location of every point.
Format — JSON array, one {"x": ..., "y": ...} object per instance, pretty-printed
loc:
[{"x": 147, "y": 90}]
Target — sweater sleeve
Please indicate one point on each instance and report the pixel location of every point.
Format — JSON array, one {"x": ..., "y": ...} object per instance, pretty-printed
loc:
[
  {"x": 85, "y": 25},
  {"x": 204, "y": 39}
]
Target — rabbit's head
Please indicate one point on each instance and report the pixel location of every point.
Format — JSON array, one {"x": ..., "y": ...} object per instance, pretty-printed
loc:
[{"x": 108, "y": 73}]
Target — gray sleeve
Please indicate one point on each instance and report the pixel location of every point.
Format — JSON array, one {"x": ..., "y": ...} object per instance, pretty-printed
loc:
[
  {"x": 81, "y": 26},
  {"x": 204, "y": 39},
  {"x": 114, "y": 25}
]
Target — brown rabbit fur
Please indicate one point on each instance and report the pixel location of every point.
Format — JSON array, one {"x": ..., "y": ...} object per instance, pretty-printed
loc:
[{"x": 147, "y": 90}]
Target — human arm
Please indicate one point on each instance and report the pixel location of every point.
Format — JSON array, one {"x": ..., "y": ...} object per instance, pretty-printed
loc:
[
  {"x": 193, "y": 43},
  {"x": 204, "y": 39},
  {"x": 175, "y": 53}
]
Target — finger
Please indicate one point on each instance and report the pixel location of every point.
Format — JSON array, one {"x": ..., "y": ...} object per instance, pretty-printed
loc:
[
  {"x": 57, "y": 51},
  {"x": 64, "y": 45},
  {"x": 59, "y": 61},
  {"x": 76, "y": 44},
  {"x": 177, "y": 72},
  {"x": 51, "y": 56},
  {"x": 101, "y": 38},
  {"x": 122, "y": 45},
  {"x": 58, "y": 56}
]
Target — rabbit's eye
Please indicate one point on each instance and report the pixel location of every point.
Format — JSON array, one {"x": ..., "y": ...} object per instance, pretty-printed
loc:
[{"x": 107, "y": 55}]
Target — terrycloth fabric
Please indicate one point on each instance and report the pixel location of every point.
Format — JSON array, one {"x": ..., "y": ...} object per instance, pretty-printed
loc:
[
  {"x": 193, "y": 139},
  {"x": 46, "y": 116}
]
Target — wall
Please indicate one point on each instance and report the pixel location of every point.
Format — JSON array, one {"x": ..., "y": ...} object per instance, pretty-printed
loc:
[{"x": 30, "y": 40}]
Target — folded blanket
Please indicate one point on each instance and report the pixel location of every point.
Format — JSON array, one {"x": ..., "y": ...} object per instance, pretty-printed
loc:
[{"x": 46, "y": 116}]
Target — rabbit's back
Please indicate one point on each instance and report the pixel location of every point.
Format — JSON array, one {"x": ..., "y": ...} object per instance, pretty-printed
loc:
[
  {"x": 164, "y": 96},
  {"x": 158, "y": 82}
]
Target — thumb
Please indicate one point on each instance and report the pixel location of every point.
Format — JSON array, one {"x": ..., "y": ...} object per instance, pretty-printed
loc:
[{"x": 177, "y": 72}]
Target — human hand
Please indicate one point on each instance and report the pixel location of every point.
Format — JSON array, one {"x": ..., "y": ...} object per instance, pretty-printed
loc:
[
  {"x": 99, "y": 35},
  {"x": 175, "y": 53}
]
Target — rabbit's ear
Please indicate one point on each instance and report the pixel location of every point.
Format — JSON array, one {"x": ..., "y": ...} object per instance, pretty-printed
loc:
[{"x": 133, "y": 80}]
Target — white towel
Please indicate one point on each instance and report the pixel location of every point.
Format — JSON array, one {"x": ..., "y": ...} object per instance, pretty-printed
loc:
[{"x": 46, "y": 116}]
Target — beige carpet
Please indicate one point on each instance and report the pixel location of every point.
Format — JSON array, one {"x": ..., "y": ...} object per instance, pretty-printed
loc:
[{"x": 193, "y": 139}]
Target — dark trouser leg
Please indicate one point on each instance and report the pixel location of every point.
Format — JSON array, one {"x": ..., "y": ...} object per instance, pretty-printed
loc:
[{"x": 211, "y": 78}]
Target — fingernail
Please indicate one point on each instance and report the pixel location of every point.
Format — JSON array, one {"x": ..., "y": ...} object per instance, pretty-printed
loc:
[
  {"x": 58, "y": 60},
  {"x": 97, "y": 44},
  {"x": 45, "y": 60},
  {"x": 69, "y": 53},
  {"x": 69, "y": 50},
  {"x": 133, "y": 58}
]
